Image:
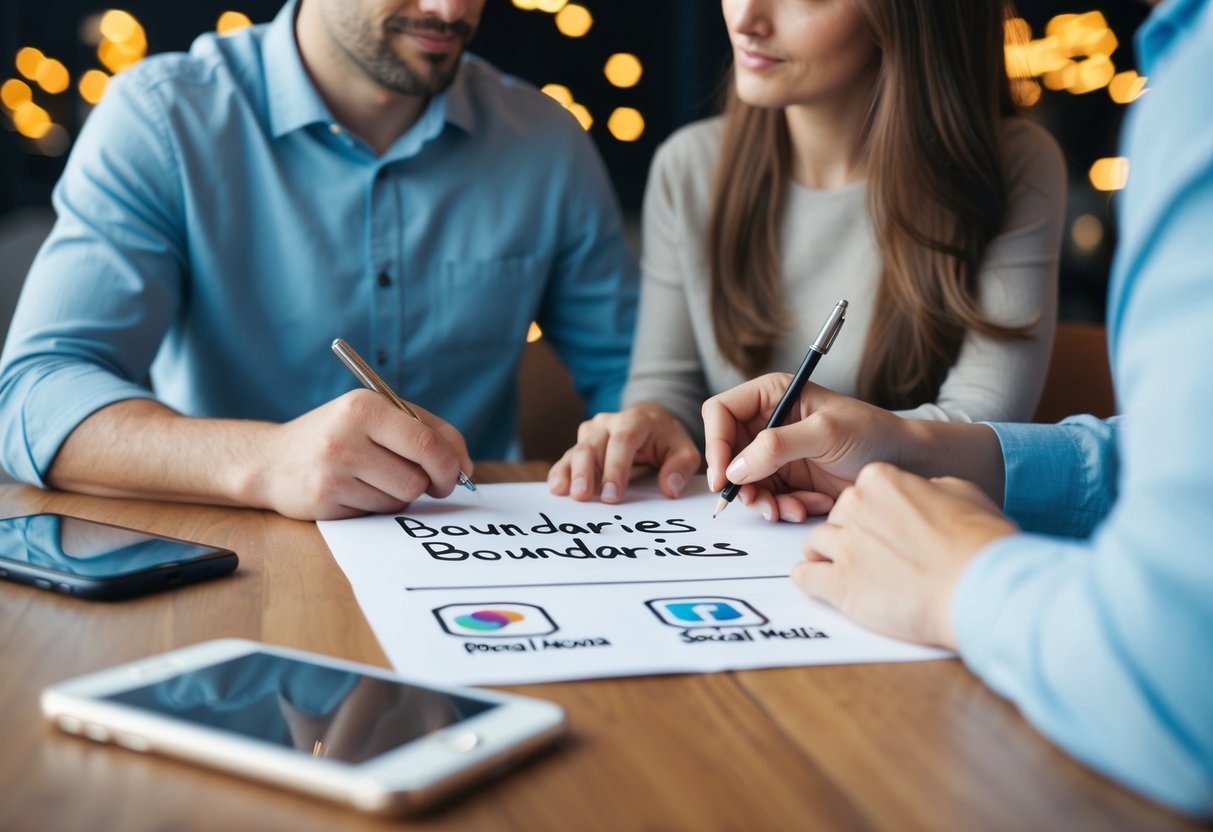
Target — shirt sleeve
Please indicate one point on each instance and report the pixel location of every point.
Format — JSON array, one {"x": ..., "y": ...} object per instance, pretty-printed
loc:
[
  {"x": 1002, "y": 379},
  {"x": 588, "y": 313},
  {"x": 666, "y": 365},
  {"x": 1104, "y": 636},
  {"x": 103, "y": 288}
]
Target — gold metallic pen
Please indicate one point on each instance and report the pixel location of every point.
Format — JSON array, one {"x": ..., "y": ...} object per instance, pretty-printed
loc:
[{"x": 371, "y": 381}]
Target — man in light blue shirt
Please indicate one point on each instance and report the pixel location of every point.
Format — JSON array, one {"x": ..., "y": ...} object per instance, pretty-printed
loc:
[
  {"x": 1095, "y": 613},
  {"x": 345, "y": 171}
]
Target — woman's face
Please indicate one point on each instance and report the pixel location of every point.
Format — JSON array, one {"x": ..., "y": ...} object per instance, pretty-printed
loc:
[{"x": 789, "y": 52}]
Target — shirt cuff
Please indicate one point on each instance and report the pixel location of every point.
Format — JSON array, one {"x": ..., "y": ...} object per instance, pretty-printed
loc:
[
  {"x": 1058, "y": 477},
  {"x": 56, "y": 406}
]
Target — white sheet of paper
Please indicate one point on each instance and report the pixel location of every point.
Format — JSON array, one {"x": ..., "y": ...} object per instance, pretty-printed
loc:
[{"x": 513, "y": 585}]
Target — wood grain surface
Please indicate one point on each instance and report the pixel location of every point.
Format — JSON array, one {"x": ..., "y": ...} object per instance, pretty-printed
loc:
[{"x": 884, "y": 746}]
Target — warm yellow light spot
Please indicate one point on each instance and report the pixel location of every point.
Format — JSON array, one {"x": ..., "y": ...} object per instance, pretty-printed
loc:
[
  {"x": 52, "y": 76},
  {"x": 1058, "y": 23},
  {"x": 31, "y": 121},
  {"x": 231, "y": 22},
  {"x": 623, "y": 70},
  {"x": 551, "y": 6},
  {"x": 1086, "y": 232},
  {"x": 1110, "y": 174},
  {"x": 1016, "y": 56},
  {"x": 582, "y": 115},
  {"x": 1063, "y": 77},
  {"x": 1126, "y": 87},
  {"x": 54, "y": 142},
  {"x": 14, "y": 93},
  {"x": 1093, "y": 74},
  {"x": 559, "y": 92},
  {"x": 92, "y": 85},
  {"x": 116, "y": 56},
  {"x": 1017, "y": 30},
  {"x": 626, "y": 124},
  {"x": 28, "y": 61},
  {"x": 574, "y": 21},
  {"x": 119, "y": 26},
  {"x": 527, "y": 5},
  {"x": 1103, "y": 43},
  {"x": 1025, "y": 91},
  {"x": 534, "y": 333},
  {"x": 1046, "y": 55}
]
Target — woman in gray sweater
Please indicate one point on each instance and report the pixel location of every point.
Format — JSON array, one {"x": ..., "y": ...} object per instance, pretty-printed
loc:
[{"x": 869, "y": 150}]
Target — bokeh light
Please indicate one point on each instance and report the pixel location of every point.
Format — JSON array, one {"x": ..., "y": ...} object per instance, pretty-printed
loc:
[
  {"x": 232, "y": 22},
  {"x": 626, "y": 124},
  {"x": 574, "y": 21},
  {"x": 92, "y": 85},
  {"x": 623, "y": 70},
  {"x": 1110, "y": 173}
]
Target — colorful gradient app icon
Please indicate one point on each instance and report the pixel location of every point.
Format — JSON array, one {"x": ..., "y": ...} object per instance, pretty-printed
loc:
[
  {"x": 495, "y": 620},
  {"x": 706, "y": 611}
]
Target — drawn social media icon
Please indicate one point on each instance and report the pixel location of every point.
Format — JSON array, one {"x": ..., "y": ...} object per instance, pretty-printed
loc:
[
  {"x": 706, "y": 611},
  {"x": 495, "y": 620}
]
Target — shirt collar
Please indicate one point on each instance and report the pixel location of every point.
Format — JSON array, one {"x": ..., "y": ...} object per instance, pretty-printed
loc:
[
  {"x": 1158, "y": 34},
  {"x": 294, "y": 102}
]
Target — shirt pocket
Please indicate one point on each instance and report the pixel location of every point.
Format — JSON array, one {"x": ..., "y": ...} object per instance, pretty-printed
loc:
[{"x": 489, "y": 304}]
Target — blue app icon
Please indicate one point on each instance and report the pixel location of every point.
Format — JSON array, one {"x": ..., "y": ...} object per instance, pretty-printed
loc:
[{"x": 704, "y": 611}]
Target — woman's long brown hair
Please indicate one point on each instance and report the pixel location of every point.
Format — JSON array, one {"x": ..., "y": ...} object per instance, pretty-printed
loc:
[{"x": 935, "y": 196}]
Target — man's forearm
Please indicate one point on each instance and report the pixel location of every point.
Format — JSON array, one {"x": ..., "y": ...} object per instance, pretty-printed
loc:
[{"x": 140, "y": 448}]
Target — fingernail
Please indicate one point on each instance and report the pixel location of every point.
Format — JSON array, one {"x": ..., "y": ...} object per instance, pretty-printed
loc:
[
  {"x": 744, "y": 497},
  {"x": 579, "y": 485},
  {"x": 610, "y": 491},
  {"x": 766, "y": 512},
  {"x": 736, "y": 470},
  {"x": 709, "y": 476},
  {"x": 789, "y": 518},
  {"x": 676, "y": 482}
]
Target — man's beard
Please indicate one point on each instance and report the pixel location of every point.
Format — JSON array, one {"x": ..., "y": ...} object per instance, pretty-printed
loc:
[{"x": 382, "y": 63}]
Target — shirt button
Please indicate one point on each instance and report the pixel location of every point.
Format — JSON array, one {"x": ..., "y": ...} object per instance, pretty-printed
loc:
[
  {"x": 384, "y": 280},
  {"x": 335, "y": 129},
  {"x": 381, "y": 357}
]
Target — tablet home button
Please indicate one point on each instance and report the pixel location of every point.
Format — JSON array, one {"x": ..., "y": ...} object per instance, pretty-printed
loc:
[{"x": 463, "y": 741}]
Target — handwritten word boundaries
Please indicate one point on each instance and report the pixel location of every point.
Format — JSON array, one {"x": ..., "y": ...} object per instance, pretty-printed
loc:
[{"x": 579, "y": 550}]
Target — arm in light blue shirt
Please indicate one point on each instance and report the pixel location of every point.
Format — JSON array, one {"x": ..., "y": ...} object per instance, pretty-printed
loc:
[
  {"x": 103, "y": 289},
  {"x": 1098, "y": 621}
]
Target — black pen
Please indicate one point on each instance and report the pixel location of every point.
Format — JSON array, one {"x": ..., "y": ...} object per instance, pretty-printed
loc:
[
  {"x": 819, "y": 347},
  {"x": 371, "y": 381}
]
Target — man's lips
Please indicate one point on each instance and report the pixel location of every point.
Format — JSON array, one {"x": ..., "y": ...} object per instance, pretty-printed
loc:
[{"x": 436, "y": 43}]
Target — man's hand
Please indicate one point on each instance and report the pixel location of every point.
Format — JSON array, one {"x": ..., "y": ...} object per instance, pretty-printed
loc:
[
  {"x": 357, "y": 454},
  {"x": 893, "y": 548},
  {"x": 611, "y": 443}
]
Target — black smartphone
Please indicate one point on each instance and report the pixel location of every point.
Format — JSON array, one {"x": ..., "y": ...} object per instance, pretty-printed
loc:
[{"x": 100, "y": 561}]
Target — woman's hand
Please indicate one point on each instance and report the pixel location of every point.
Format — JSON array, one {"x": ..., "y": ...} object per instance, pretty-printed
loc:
[
  {"x": 798, "y": 469},
  {"x": 610, "y": 444}
]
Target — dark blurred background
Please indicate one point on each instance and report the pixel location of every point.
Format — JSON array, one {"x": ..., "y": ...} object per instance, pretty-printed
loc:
[{"x": 682, "y": 52}]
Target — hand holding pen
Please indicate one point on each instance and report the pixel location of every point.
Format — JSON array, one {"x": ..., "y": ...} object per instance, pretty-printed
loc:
[
  {"x": 820, "y": 346},
  {"x": 371, "y": 381}
]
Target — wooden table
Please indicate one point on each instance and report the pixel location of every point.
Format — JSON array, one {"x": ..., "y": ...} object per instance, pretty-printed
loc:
[{"x": 921, "y": 745}]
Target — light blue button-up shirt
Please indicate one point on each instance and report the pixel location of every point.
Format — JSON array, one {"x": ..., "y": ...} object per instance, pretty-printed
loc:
[
  {"x": 217, "y": 229},
  {"x": 1098, "y": 621}
]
